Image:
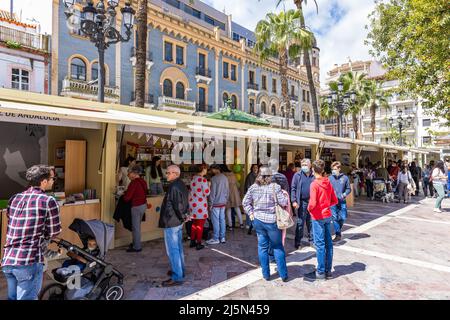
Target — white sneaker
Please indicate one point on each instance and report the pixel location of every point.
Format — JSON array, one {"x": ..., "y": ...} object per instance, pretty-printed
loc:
[
  {"x": 212, "y": 242},
  {"x": 247, "y": 227},
  {"x": 223, "y": 240},
  {"x": 437, "y": 210}
]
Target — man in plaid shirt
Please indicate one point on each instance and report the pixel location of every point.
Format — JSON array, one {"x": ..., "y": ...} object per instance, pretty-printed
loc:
[{"x": 33, "y": 217}]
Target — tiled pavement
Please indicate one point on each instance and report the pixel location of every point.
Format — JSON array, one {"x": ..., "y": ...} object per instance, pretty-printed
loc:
[{"x": 398, "y": 257}]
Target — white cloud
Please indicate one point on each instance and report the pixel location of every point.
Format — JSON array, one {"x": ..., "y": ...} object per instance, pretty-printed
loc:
[{"x": 339, "y": 25}]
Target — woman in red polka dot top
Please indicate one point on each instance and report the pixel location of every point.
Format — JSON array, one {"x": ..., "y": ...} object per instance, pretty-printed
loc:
[{"x": 198, "y": 205}]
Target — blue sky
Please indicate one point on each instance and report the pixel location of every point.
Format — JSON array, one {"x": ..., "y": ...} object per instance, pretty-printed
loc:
[{"x": 339, "y": 25}]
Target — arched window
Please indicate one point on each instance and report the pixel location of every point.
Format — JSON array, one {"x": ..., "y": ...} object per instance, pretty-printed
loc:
[
  {"x": 225, "y": 98},
  {"x": 263, "y": 108},
  {"x": 308, "y": 117},
  {"x": 94, "y": 71},
  {"x": 304, "y": 116},
  {"x": 274, "y": 110},
  {"x": 252, "y": 106},
  {"x": 234, "y": 101},
  {"x": 180, "y": 90},
  {"x": 78, "y": 69},
  {"x": 167, "y": 88}
]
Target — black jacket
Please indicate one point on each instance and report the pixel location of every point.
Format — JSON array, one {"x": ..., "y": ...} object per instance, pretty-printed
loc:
[
  {"x": 123, "y": 212},
  {"x": 175, "y": 205}
]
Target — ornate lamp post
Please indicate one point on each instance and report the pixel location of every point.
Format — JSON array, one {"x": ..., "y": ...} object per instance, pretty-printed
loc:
[
  {"x": 343, "y": 102},
  {"x": 99, "y": 25},
  {"x": 401, "y": 122}
]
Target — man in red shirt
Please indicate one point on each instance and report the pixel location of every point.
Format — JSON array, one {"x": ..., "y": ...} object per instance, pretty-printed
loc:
[
  {"x": 137, "y": 194},
  {"x": 322, "y": 198}
]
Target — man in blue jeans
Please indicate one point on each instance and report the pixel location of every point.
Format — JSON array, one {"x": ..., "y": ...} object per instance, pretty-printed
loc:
[
  {"x": 341, "y": 186},
  {"x": 301, "y": 184},
  {"x": 33, "y": 218},
  {"x": 218, "y": 198},
  {"x": 174, "y": 212}
]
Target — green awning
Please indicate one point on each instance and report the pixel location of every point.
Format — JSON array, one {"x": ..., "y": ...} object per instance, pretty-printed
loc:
[{"x": 238, "y": 116}]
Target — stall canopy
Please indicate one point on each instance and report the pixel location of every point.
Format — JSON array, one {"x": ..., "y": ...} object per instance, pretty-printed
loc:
[{"x": 238, "y": 116}]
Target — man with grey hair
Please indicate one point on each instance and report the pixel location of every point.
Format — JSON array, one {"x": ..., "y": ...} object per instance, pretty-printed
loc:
[
  {"x": 174, "y": 213},
  {"x": 301, "y": 184},
  {"x": 278, "y": 177}
]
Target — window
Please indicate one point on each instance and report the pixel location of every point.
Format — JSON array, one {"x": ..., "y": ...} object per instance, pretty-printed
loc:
[
  {"x": 168, "y": 55},
  {"x": 201, "y": 61},
  {"x": 173, "y": 3},
  {"x": 274, "y": 110},
  {"x": 264, "y": 82},
  {"x": 303, "y": 116},
  {"x": 236, "y": 37},
  {"x": 426, "y": 122},
  {"x": 78, "y": 69},
  {"x": 225, "y": 98},
  {"x": 426, "y": 140},
  {"x": 250, "y": 43},
  {"x": 252, "y": 106},
  {"x": 314, "y": 61},
  {"x": 180, "y": 91},
  {"x": 263, "y": 107},
  {"x": 274, "y": 85},
  {"x": 233, "y": 72},
  {"x": 282, "y": 111},
  {"x": 292, "y": 91},
  {"x": 304, "y": 95},
  {"x": 213, "y": 22},
  {"x": 180, "y": 55},
  {"x": 192, "y": 11},
  {"x": 307, "y": 96},
  {"x": 201, "y": 96},
  {"x": 308, "y": 117},
  {"x": 209, "y": 20},
  {"x": 225, "y": 70},
  {"x": 233, "y": 102},
  {"x": 293, "y": 113},
  {"x": 94, "y": 71},
  {"x": 20, "y": 79},
  {"x": 251, "y": 77},
  {"x": 167, "y": 88}
]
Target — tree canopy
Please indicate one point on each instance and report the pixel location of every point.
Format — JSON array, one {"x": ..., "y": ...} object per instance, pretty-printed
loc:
[{"x": 412, "y": 40}]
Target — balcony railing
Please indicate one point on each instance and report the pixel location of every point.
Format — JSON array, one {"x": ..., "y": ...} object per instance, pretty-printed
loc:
[
  {"x": 205, "y": 108},
  {"x": 293, "y": 97},
  {"x": 149, "y": 98},
  {"x": 82, "y": 89},
  {"x": 204, "y": 72},
  {"x": 25, "y": 39},
  {"x": 176, "y": 105},
  {"x": 253, "y": 86},
  {"x": 134, "y": 51}
]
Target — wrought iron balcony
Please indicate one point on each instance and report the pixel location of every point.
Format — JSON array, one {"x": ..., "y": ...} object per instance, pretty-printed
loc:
[
  {"x": 24, "y": 39},
  {"x": 253, "y": 86},
  {"x": 293, "y": 97},
  {"x": 204, "y": 72}
]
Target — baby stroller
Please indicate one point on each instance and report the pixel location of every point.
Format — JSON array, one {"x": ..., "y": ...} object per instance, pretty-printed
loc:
[
  {"x": 382, "y": 190},
  {"x": 99, "y": 280}
]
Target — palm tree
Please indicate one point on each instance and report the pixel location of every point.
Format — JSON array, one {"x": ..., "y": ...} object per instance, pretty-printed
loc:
[
  {"x": 282, "y": 36},
  {"x": 307, "y": 61},
  {"x": 356, "y": 83},
  {"x": 141, "y": 53},
  {"x": 374, "y": 98},
  {"x": 328, "y": 111}
]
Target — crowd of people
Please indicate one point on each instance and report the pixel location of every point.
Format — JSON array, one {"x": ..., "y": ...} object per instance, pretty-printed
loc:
[{"x": 304, "y": 190}]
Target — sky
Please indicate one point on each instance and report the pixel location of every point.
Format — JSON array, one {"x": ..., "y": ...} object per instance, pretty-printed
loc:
[{"x": 339, "y": 26}]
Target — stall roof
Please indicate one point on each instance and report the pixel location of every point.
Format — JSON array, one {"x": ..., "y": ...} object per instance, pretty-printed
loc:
[{"x": 417, "y": 150}]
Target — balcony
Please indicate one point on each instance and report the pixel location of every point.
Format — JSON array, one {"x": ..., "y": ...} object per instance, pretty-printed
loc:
[
  {"x": 293, "y": 97},
  {"x": 278, "y": 121},
  {"x": 176, "y": 105},
  {"x": 203, "y": 75},
  {"x": 149, "y": 58},
  {"x": 83, "y": 90},
  {"x": 149, "y": 100},
  {"x": 24, "y": 39},
  {"x": 252, "y": 88}
]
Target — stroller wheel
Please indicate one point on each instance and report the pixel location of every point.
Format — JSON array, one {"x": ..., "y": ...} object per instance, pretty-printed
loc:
[
  {"x": 54, "y": 291},
  {"x": 114, "y": 292}
]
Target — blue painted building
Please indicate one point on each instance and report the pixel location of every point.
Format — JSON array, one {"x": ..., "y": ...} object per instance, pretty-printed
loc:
[{"x": 197, "y": 58}]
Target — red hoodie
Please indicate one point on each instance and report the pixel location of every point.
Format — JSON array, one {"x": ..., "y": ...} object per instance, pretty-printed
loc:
[
  {"x": 136, "y": 192},
  {"x": 322, "y": 197}
]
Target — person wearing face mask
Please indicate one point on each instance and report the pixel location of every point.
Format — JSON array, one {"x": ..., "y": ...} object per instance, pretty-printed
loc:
[
  {"x": 301, "y": 184},
  {"x": 341, "y": 186}
]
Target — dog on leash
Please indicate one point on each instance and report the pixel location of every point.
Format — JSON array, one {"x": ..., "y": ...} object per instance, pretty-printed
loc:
[{"x": 388, "y": 197}]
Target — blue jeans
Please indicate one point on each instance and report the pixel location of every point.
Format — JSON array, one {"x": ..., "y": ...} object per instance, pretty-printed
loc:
[
  {"x": 303, "y": 217},
  {"x": 269, "y": 234},
  {"x": 339, "y": 212},
  {"x": 323, "y": 244},
  {"x": 218, "y": 221},
  {"x": 24, "y": 282},
  {"x": 173, "y": 238},
  {"x": 156, "y": 189}
]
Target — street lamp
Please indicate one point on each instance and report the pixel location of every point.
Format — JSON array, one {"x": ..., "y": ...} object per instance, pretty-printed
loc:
[
  {"x": 401, "y": 122},
  {"x": 342, "y": 101},
  {"x": 98, "y": 24}
]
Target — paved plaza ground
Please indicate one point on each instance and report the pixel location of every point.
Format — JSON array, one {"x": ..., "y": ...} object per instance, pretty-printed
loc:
[{"x": 389, "y": 251}]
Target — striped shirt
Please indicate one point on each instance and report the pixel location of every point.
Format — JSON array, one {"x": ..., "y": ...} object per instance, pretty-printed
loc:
[
  {"x": 33, "y": 217},
  {"x": 260, "y": 202}
]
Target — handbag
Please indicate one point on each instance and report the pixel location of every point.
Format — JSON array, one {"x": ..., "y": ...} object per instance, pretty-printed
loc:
[{"x": 284, "y": 219}]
